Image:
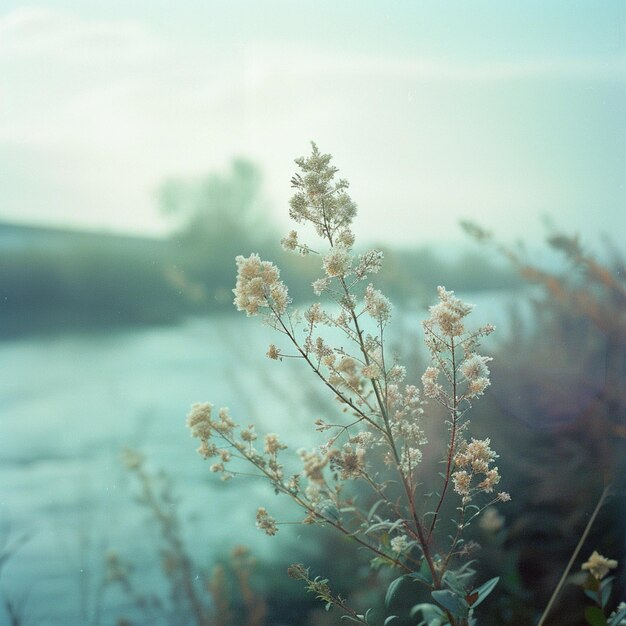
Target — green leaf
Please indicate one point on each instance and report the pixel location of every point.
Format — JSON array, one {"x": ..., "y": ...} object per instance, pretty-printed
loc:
[
  {"x": 390, "y": 620},
  {"x": 428, "y": 610},
  {"x": 425, "y": 571},
  {"x": 606, "y": 581},
  {"x": 359, "y": 619},
  {"x": 605, "y": 590},
  {"x": 451, "y": 601},
  {"x": 377, "y": 562},
  {"x": 372, "y": 511},
  {"x": 433, "y": 615},
  {"x": 465, "y": 571},
  {"x": 595, "y": 616},
  {"x": 392, "y": 590},
  {"x": 452, "y": 581},
  {"x": 427, "y": 580},
  {"x": 484, "y": 590}
]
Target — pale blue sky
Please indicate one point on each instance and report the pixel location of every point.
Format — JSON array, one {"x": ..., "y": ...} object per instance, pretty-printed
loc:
[{"x": 497, "y": 111}]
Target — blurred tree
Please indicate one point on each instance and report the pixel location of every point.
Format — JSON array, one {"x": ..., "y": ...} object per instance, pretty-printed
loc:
[
  {"x": 225, "y": 210},
  {"x": 217, "y": 217}
]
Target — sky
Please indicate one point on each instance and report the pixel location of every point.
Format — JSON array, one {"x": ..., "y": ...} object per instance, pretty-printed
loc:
[{"x": 435, "y": 111}]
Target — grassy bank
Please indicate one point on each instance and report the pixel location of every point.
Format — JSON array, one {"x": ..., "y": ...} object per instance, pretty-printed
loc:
[{"x": 55, "y": 280}]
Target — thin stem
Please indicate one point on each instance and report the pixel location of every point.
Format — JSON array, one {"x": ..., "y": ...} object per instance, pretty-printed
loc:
[
  {"x": 453, "y": 411},
  {"x": 574, "y": 556},
  {"x": 317, "y": 371},
  {"x": 366, "y": 356},
  {"x": 169, "y": 531},
  {"x": 309, "y": 509},
  {"x": 459, "y": 530},
  {"x": 383, "y": 410}
]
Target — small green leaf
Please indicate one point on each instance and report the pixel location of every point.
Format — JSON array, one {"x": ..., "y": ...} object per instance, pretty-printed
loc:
[
  {"x": 433, "y": 615},
  {"x": 484, "y": 590},
  {"x": 454, "y": 583},
  {"x": 595, "y": 616},
  {"x": 465, "y": 571},
  {"x": 427, "y": 609},
  {"x": 392, "y": 590},
  {"x": 451, "y": 601},
  {"x": 372, "y": 511},
  {"x": 377, "y": 562},
  {"x": 425, "y": 571},
  {"x": 605, "y": 591},
  {"x": 606, "y": 581},
  {"x": 359, "y": 619},
  {"x": 427, "y": 580},
  {"x": 390, "y": 620}
]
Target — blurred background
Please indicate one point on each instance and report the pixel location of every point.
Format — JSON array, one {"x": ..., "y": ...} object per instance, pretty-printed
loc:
[{"x": 143, "y": 145}]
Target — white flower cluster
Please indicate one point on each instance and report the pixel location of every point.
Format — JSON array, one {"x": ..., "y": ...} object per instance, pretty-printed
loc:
[
  {"x": 265, "y": 522},
  {"x": 290, "y": 242},
  {"x": 445, "y": 336},
  {"x": 400, "y": 544},
  {"x": 349, "y": 461},
  {"x": 345, "y": 238},
  {"x": 273, "y": 352},
  {"x": 320, "y": 200},
  {"x": 337, "y": 263},
  {"x": 320, "y": 285},
  {"x": 474, "y": 460},
  {"x": 314, "y": 464},
  {"x": 345, "y": 374},
  {"x": 199, "y": 420},
  {"x": 432, "y": 389},
  {"x": 474, "y": 369},
  {"x": 406, "y": 410},
  {"x": 314, "y": 314},
  {"x": 259, "y": 286},
  {"x": 446, "y": 317},
  {"x": 233, "y": 438},
  {"x": 369, "y": 263},
  {"x": 377, "y": 305},
  {"x": 598, "y": 566}
]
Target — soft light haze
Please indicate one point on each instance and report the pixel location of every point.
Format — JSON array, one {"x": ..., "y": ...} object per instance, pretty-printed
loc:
[{"x": 435, "y": 112}]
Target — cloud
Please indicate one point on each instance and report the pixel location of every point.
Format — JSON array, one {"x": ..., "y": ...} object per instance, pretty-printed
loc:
[
  {"x": 67, "y": 81},
  {"x": 105, "y": 109},
  {"x": 36, "y": 33},
  {"x": 271, "y": 58}
]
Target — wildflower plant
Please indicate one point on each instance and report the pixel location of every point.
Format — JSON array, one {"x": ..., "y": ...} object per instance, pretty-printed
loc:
[
  {"x": 378, "y": 443},
  {"x": 197, "y": 595},
  {"x": 598, "y": 586}
]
